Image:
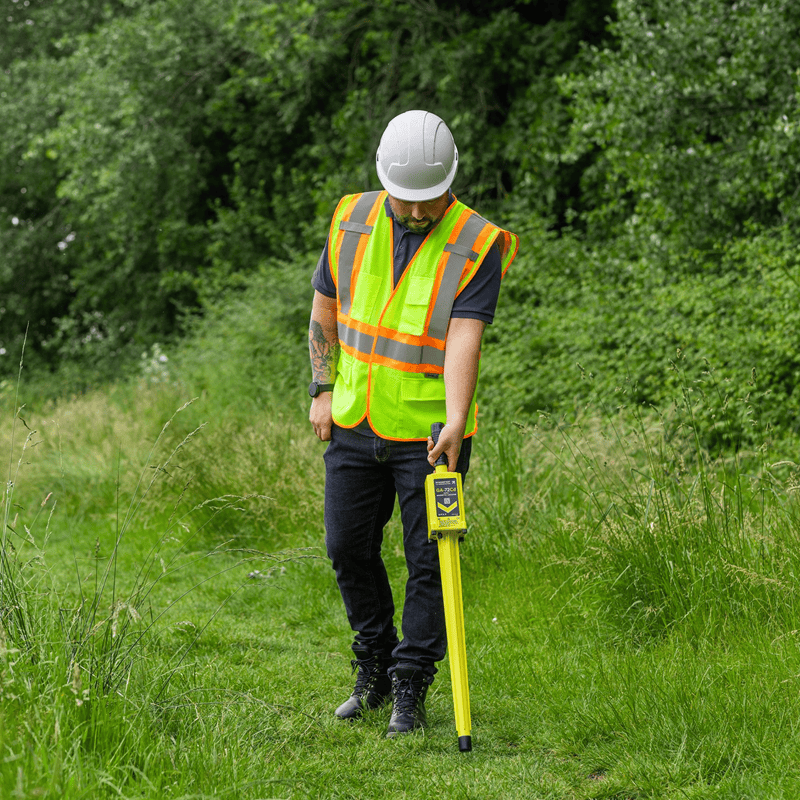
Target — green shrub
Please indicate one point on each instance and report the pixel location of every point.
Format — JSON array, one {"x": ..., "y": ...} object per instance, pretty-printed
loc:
[{"x": 577, "y": 327}]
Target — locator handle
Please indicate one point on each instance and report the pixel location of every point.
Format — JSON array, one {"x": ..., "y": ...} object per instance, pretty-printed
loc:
[{"x": 436, "y": 429}]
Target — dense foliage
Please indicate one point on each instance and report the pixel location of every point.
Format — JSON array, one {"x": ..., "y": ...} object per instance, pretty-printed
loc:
[
  {"x": 153, "y": 149},
  {"x": 694, "y": 117},
  {"x": 681, "y": 270},
  {"x": 165, "y": 159}
]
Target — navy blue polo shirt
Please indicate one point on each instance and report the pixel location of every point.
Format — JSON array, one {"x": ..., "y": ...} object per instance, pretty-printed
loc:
[{"x": 478, "y": 300}]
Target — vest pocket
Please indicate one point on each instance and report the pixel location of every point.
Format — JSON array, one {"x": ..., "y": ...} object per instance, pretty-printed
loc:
[{"x": 422, "y": 402}]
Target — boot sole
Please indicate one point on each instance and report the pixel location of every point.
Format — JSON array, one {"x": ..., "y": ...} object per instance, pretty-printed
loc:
[
  {"x": 418, "y": 726},
  {"x": 395, "y": 734}
]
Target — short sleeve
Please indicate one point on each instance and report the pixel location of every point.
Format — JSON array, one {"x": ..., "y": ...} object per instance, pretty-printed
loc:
[
  {"x": 322, "y": 280},
  {"x": 478, "y": 299}
]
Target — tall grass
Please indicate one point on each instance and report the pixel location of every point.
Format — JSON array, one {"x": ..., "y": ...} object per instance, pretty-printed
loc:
[
  {"x": 673, "y": 536},
  {"x": 78, "y": 635},
  {"x": 629, "y": 600},
  {"x": 644, "y": 609}
]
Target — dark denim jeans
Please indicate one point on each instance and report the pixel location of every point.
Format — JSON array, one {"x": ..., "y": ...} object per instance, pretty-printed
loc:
[{"x": 364, "y": 474}]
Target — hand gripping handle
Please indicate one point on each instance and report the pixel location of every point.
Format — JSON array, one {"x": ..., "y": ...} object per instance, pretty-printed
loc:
[{"x": 436, "y": 429}]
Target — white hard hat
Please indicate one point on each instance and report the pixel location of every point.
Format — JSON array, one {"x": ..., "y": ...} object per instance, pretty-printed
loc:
[{"x": 417, "y": 158}]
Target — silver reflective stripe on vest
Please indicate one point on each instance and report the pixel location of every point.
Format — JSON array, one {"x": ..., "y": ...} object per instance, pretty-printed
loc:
[
  {"x": 356, "y": 227},
  {"x": 362, "y": 342},
  {"x": 388, "y": 348},
  {"x": 409, "y": 353},
  {"x": 460, "y": 252},
  {"x": 467, "y": 252},
  {"x": 353, "y": 228}
]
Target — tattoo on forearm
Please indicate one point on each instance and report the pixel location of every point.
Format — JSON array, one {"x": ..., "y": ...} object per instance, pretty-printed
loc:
[{"x": 324, "y": 354}]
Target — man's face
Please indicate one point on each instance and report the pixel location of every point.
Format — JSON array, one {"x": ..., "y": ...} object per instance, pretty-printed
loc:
[{"x": 419, "y": 217}]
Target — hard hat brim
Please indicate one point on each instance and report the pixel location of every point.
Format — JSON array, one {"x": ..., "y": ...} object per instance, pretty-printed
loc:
[{"x": 417, "y": 195}]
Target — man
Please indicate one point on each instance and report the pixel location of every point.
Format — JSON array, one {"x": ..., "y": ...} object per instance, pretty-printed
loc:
[{"x": 404, "y": 288}]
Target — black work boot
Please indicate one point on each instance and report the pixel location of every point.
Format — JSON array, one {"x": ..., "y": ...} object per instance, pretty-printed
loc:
[
  {"x": 373, "y": 684},
  {"x": 409, "y": 687}
]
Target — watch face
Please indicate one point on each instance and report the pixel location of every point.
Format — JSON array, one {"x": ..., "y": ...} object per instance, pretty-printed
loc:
[{"x": 313, "y": 389}]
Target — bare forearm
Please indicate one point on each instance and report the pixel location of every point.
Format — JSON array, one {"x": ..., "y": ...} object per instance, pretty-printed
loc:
[
  {"x": 461, "y": 361},
  {"x": 323, "y": 348},
  {"x": 461, "y": 358},
  {"x": 323, "y": 339},
  {"x": 324, "y": 354}
]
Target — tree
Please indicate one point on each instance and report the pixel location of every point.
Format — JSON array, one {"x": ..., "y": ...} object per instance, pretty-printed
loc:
[
  {"x": 107, "y": 146},
  {"x": 692, "y": 117}
]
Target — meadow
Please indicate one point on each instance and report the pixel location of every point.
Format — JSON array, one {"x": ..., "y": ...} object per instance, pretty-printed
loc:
[{"x": 171, "y": 626}]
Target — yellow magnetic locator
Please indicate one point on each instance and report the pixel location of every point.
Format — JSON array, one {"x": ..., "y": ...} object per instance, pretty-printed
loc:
[{"x": 444, "y": 498}]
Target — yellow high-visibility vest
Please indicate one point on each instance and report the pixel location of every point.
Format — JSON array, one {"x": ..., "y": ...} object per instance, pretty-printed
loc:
[{"x": 391, "y": 361}]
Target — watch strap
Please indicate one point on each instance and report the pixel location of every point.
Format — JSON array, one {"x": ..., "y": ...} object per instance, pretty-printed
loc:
[{"x": 315, "y": 389}]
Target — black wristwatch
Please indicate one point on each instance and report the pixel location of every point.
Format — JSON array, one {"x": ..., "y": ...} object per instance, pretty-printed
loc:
[{"x": 315, "y": 388}]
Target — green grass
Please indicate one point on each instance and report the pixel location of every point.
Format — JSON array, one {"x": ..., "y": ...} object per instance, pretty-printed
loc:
[{"x": 171, "y": 626}]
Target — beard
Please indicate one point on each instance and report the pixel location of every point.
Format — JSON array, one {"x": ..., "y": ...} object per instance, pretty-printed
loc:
[{"x": 417, "y": 226}]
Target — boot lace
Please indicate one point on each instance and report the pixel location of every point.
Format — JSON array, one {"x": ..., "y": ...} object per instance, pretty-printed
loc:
[
  {"x": 367, "y": 673},
  {"x": 406, "y": 694}
]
